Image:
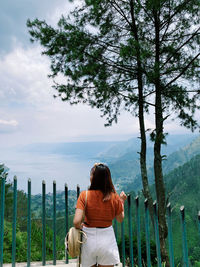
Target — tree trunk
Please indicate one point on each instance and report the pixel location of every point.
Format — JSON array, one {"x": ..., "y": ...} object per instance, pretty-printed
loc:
[
  {"x": 159, "y": 183},
  {"x": 158, "y": 172},
  {"x": 143, "y": 167}
]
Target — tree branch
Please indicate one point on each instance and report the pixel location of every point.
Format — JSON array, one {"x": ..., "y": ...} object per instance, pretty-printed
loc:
[
  {"x": 177, "y": 9},
  {"x": 120, "y": 11},
  {"x": 136, "y": 98},
  {"x": 150, "y": 93},
  {"x": 145, "y": 10},
  {"x": 180, "y": 37},
  {"x": 184, "y": 69},
  {"x": 187, "y": 41}
]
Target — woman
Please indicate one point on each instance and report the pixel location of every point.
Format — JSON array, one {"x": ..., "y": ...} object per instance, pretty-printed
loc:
[{"x": 102, "y": 206}]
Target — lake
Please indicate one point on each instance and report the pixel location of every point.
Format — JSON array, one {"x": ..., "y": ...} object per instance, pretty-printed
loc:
[{"x": 49, "y": 167}]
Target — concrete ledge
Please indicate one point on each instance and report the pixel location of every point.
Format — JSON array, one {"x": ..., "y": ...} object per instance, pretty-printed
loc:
[{"x": 59, "y": 263}]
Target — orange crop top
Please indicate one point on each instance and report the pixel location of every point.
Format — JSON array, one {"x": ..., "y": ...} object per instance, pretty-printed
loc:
[{"x": 99, "y": 213}]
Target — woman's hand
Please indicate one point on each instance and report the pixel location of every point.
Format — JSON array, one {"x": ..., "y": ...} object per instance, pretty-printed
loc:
[
  {"x": 78, "y": 219},
  {"x": 123, "y": 196}
]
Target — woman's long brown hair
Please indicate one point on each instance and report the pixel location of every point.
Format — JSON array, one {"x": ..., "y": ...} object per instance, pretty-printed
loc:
[{"x": 101, "y": 180}]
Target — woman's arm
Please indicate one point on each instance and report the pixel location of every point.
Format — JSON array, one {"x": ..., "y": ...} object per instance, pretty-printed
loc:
[
  {"x": 122, "y": 197},
  {"x": 78, "y": 218},
  {"x": 120, "y": 217}
]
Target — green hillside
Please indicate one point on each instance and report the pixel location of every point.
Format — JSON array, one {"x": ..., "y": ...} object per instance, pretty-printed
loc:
[
  {"x": 21, "y": 231},
  {"x": 60, "y": 203},
  {"x": 183, "y": 185},
  {"x": 182, "y": 188},
  {"x": 171, "y": 162}
]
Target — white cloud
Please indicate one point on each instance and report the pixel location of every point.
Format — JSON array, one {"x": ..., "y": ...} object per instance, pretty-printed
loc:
[
  {"x": 27, "y": 98},
  {"x": 8, "y": 126},
  {"x": 24, "y": 77},
  {"x": 10, "y": 122},
  {"x": 27, "y": 95}
]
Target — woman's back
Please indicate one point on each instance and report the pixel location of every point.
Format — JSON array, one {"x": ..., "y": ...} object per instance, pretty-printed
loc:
[{"x": 99, "y": 212}]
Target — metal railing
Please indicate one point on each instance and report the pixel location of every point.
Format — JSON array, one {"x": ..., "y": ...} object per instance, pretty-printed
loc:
[{"x": 130, "y": 228}]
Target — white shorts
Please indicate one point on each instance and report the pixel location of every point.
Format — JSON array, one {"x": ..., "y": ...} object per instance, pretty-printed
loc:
[{"x": 100, "y": 247}]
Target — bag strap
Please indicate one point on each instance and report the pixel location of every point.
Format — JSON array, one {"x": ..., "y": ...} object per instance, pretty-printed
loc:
[
  {"x": 86, "y": 199},
  {"x": 79, "y": 257},
  {"x": 85, "y": 205}
]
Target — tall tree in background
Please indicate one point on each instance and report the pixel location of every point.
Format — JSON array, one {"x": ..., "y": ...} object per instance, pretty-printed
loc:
[{"x": 137, "y": 55}]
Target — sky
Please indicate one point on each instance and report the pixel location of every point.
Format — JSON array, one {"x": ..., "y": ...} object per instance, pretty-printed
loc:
[
  {"x": 30, "y": 114},
  {"x": 28, "y": 111}
]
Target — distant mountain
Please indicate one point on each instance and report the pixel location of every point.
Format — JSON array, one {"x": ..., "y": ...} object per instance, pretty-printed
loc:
[
  {"x": 120, "y": 149},
  {"x": 123, "y": 159},
  {"x": 77, "y": 149},
  {"x": 107, "y": 151},
  {"x": 182, "y": 155},
  {"x": 172, "y": 161}
]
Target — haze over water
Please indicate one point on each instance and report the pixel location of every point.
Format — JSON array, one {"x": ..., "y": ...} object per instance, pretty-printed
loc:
[
  {"x": 48, "y": 167},
  {"x": 70, "y": 162}
]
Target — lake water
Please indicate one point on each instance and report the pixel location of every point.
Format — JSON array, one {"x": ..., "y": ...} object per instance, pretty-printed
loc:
[{"x": 63, "y": 169}]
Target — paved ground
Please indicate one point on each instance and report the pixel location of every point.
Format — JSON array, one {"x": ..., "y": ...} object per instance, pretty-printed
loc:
[
  {"x": 59, "y": 263},
  {"x": 72, "y": 263}
]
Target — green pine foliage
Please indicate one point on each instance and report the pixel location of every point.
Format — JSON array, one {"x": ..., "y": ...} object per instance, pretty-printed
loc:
[{"x": 102, "y": 47}]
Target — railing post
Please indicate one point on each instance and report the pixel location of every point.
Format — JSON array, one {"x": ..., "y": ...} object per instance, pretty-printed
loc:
[
  {"x": 170, "y": 239},
  {"x": 54, "y": 222},
  {"x": 130, "y": 232},
  {"x": 138, "y": 232},
  {"x": 66, "y": 219},
  {"x": 14, "y": 221},
  {"x": 2, "y": 218},
  {"x": 123, "y": 244},
  {"x": 29, "y": 225},
  {"x": 43, "y": 223},
  {"x": 157, "y": 234},
  {"x": 199, "y": 222},
  {"x": 147, "y": 234},
  {"x": 78, "y": 191},
  {"x": 184, "y": 239}
]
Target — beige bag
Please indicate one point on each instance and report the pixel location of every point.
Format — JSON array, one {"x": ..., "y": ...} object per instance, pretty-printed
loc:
[
  {"x": 73, "y": 242},
  {"x": 73, "y": 239}
]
